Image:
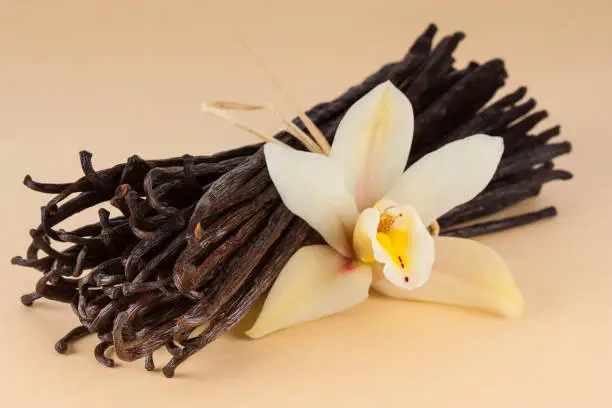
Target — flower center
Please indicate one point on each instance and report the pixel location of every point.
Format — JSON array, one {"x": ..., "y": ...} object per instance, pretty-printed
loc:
[{"x": 393, "y": 240}]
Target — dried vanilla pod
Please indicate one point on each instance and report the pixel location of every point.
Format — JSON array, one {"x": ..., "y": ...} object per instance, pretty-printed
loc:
[{"x": 201, "y": 238}]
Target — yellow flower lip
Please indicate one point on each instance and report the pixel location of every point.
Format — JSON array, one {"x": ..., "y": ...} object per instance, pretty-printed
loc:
[
  {"x": 394, "y": 241},
  {"x": 390, "y": 237}
]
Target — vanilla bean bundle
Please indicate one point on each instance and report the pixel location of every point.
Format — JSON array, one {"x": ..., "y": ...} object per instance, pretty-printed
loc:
[{"x": 200, "y": 238}]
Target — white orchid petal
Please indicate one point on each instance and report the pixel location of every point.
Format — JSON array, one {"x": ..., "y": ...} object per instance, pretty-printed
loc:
[
  {"x": 373, "y": 141},
  {"x": 312, "y": 187},
  {"x": 316, "y": 282},
  {"x": 466, "y": 273},
  {"x": 449, "y": 176}
]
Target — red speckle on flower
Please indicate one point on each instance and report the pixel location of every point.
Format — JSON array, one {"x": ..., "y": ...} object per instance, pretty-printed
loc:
[
  {"x": 348, "y": 265},
  {"x": 399, "y": 258},
  {"x": 406, "y": 279}
]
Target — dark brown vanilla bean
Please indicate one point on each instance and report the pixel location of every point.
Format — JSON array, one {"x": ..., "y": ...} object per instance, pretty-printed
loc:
[
  {"x": 487, "y": 204},
  {"x": 509, "y": 116},
  {"x": 98, "y": 181},
  {"x": 502, "y": 196},
  {"x": 78, "y": 332},
  {"x": 517, "y": 132},
  {"x": 438, "y": 63},
  {"x": 500, "y": 225},
  {"x": 529, "y": 142},
  {"x": 70, "y": 208},
  {"x": 99, "y": 354},
  {"x": 29, "y": 298},
  {"x": 527, "y": 159},
  {"x": 42, "y": 264},
  {"x": 47, "y": 188},
  {"x": 201, "y": 238},
  {"x": 149, "y": 364}
]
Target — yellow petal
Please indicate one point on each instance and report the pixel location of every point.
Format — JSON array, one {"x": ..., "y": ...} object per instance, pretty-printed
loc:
[
  {"x": 316, "y": 282},
  {"x": 403, "y": 248},
  {"x": 449, "y": 176},
  {"x": 373, "y": 141},
  {"x": 312, "y": 187},
  {"x": 406, "y": 251},
  {"x": 466, "y": 273}
]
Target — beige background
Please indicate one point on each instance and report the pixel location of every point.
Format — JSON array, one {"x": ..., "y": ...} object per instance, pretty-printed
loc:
[{"x": 124, "y": 77}]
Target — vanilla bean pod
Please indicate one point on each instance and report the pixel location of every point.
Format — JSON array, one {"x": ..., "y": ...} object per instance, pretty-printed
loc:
[
  {"x": 525, "y": 160},
  {"x": 29, "y": 298},
  {"x": 507, "y": 117},
  {"x": 95, "y": 229},
  {"x": 517, "y": 132},
  {"x": 99, "y": 351},
  {"x": 493, "y": 201},
  {"x": 501, "y": 225},
  {"x": 486, "y": 204},
  {"x": 500, "y": 196},
  {"x": 50, "y": 287},
  {"x": 47, "y": 188},
  {"x": 438, "y": 62},
  {"x": 530, "y": 142},
  {"x": 77, "y": 333},
  {"x": 54, "y": 215}
]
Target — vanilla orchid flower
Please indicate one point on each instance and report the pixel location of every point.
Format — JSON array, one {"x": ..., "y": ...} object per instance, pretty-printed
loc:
[{"x": 380, "y": 222}]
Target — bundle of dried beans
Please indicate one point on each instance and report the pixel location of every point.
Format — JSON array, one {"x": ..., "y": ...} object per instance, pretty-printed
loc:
[{"x": 201, "y": 238}]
